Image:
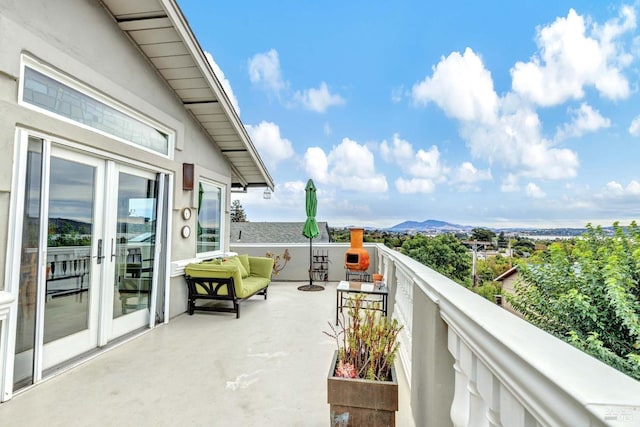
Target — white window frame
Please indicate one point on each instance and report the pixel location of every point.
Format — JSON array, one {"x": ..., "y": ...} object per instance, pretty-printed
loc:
[
  {"x": 223, "y": 218},
  {"x": 27, "y": 61}
]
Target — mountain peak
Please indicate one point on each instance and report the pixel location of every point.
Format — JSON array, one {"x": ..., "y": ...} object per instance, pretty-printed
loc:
[{"x": 429, "y": 225}]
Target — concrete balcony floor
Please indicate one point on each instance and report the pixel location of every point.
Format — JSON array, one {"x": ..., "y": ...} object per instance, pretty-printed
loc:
[{"x": 267, "y": 368}]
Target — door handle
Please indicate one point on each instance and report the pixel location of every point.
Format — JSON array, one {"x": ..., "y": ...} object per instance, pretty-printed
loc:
[
  {"x": 99, "y": 257},
  {"x": 113, "y": 251}
]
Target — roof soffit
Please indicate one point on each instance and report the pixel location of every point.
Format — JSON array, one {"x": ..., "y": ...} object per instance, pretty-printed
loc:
[{"x": 162, "y": 33}]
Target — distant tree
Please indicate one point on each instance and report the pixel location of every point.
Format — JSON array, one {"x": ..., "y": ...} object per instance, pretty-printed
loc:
[
  {"x": 523, "y": 247},
  {"x": 395, "y": 240},
  {"x": 482, "y": 234},
  {"x": 502, "y": 240},
  {"x": 339, "y": 234},
  {"x": 587, "y": 293},
  {"x": 444, "y": 253},
  {"x": 237, "y": 212},
  {"x": 490, "y": 268},
  {"x": 489, "y": 290}
]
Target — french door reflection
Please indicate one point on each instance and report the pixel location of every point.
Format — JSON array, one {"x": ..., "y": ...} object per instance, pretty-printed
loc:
[
  {"x": 70, "y": 231},
  {"x": 57, "y": 298},
  {"x": 135, "y": 243}
]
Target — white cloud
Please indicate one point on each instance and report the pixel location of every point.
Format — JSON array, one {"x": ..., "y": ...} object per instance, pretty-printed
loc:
[
  {"x": 226, "y": 85},
  {"x": 286, "y": 202},
  {"x": 400, "y": 151},
  {"x": 319, "y": 99},
  {"x": 540, "y": 161},
  {"x": 327, "y": 129},
  {"x": 415, "y": 185},
  {"x": 427, "y": 165},
  {"x": 633, "y": 188},
  {"x": 616, "y": 191},
  {"x": 273, "y": 148},
  {"x": 570, "y": 58},
  {"x": 614, "y": 188},
  {"x": 584, "y": 119},
  {"x": 510, "y": 184},
  {"x": 424, "y": 166},
  {"x": 316, "y": 164},
  {"x": 397, "y": 94},
  {"x": 349, "y": 166},
  {"x": 514, "y": 141},
  {"x": 634, "y": 128},
  {"x": 466, "y": 176},
  {"x": 534, "y": 191},
  {"x": 461, "y": 86},
  {"x": 264, "y": 70},
  {"x": 498, "y": 130}
]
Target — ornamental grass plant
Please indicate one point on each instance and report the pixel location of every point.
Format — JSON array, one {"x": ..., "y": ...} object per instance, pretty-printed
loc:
[{"x": 367, "y": 341}]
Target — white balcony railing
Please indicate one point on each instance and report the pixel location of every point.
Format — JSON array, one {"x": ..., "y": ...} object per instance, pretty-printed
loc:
[{"x": 472, "y": 363}]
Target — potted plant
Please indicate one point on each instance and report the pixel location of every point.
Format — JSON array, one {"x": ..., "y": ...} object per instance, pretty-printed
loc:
[
  {"x": 279, "y": 261},
  {"x": 362, "y": 388}
]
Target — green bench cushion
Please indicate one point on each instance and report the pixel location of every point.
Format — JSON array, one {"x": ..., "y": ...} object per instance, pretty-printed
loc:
[
  {"x": 260, "y": 277},
  {"x": 261, "y": 266},
  {"x": 244, "y": 259}
]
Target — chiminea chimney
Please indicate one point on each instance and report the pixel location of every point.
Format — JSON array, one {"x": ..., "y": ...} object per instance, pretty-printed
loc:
[{"x": 356, "y": 258}]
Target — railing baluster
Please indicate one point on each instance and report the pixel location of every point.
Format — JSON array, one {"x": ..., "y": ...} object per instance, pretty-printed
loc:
[
  {"x": 460, "y": 404},
  {"x": 403, "y": 312}
]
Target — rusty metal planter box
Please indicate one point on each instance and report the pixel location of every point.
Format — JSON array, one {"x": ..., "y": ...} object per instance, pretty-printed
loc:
[{"x": 358, "y": 402}]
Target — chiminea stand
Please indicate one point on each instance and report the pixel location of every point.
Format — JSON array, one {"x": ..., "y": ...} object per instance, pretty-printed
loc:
[{"x": 360, "y": 276}]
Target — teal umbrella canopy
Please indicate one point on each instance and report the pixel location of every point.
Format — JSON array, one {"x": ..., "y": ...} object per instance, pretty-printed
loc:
[{"x": 310, "y": 229}]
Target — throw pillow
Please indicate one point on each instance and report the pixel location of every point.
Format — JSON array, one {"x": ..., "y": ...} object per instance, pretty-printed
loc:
[
  {"x": 244, "y": 259},
  {"x": 243, "y": 271}
]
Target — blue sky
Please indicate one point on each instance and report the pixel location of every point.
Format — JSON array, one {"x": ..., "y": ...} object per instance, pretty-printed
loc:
[{"x": 493, "y": 113}]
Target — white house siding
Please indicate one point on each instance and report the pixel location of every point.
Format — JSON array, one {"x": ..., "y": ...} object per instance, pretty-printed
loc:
[{"x": 81, "y": 39}]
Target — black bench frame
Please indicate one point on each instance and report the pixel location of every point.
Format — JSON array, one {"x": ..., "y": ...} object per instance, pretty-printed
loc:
[{"x": 213, "y": 287}]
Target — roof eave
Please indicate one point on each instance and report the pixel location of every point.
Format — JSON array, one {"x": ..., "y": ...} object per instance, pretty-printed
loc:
[
  {"x": 182, "y": 26},
  {"x": 247, "y": 168}
]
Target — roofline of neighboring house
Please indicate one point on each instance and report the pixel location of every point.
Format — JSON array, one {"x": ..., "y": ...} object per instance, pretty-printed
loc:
[{"x": 507, "y": 273}]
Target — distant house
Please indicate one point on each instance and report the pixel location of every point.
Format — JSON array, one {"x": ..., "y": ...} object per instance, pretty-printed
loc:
[
  {"x": 275, "y": 232},
  {"x": 508, "y": 279}
]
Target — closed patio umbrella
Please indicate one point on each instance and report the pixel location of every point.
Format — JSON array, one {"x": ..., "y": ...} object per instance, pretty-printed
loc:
[{"x": 310, "y": 230}]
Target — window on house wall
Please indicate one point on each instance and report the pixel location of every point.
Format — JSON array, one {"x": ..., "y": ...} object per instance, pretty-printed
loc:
[
  {"x": 210, "y": 217},
  {"x": 65, "y": 98}
]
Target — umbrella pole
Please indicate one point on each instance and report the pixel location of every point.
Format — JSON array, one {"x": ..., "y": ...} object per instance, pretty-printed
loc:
[
  {"x": 311, "y": 286},
  {"x": 310, "y": 262}
]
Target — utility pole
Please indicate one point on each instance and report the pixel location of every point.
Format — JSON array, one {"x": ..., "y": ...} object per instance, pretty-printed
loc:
[
  {"x": 474, "y": 277},
  {"x": 474, "y": 247}
]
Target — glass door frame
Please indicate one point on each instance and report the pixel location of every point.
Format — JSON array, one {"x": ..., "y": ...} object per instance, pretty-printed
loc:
[
  {"x": 42, "y": 353},
  {"x": 14, "y": 241},
  {"x": 112, "y": 328},
  {"x": 52, "y": 355}
]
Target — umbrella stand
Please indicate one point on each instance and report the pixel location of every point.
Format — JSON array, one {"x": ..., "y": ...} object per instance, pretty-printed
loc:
[{"x": 311, "y": 286}]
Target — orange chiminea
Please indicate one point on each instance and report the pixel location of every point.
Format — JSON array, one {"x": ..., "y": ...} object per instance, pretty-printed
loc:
[{"x": 356, "y": 258}]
